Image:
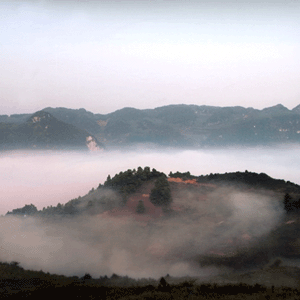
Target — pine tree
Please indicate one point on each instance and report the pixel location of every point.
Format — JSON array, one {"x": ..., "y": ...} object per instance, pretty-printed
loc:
[
  {"x": 140, "y": 209},
  {"x": 161, "y": 194},
  {"x": 287, "y": 202}
]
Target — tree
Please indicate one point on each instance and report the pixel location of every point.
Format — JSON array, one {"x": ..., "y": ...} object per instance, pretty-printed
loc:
[
  {"x": 297, "y": 205},
  {"x": 70, "y": 208},
  {"x": 87, "y": 276},
  {"x": 161, "y": 194},
  {"x": 26, "y": 210},
  {"x": 14, "y": 263},
  {"x": 108, "y": 181},
  {"x": 287, "y": 202},
  {"x": 163, "y": 286},
  {"x": 140, "y": 209}
]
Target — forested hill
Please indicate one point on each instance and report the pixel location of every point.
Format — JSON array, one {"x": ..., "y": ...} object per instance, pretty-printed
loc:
[
  {"x": 160, "y": 187},
  {"x": 251, "y": 179},
  {"x": 152, "y": 200},
  {"x": 182, "y": 125}
]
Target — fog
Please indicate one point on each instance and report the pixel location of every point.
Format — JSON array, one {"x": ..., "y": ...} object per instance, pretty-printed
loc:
[
  {"x": 103, "y": 244},
  {"x": 47, "y": 178}
]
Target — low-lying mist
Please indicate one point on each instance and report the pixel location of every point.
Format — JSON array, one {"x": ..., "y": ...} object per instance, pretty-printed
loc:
[
  {"x": 227, "y": 222},
  {"x": 47, "y": 178}
]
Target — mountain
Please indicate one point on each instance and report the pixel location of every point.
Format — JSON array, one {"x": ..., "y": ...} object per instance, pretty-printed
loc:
[
  {"x": 43, "y": 131},
  {"x": 189, "y": 125},
  {"x": 15, "y": 118},
  {"x": 180, "y": 125}
]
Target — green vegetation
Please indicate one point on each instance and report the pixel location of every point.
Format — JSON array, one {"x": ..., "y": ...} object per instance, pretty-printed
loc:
[
  {"x": 129, "y": 181},
  {"x": 140, "y": 209},
  {"x": 17, "y": 283},
  {"x": 68, "y": 209},
  {"x": 283, "y": 241},
  {"x": 124, "y": 183},
  {"x": 183, "y": 176},
  {"x": 43, "y": 131},
  {"x": 291, "y": 205},
  {"x": 26, "y": 210},
  {"x": 172, "y": 125},
  {"x": 252, "y": 179},
  {"x": 161, "y": 194}
]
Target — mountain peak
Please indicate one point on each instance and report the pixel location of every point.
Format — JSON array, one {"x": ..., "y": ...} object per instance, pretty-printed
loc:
[
  {"x": 276, "y": 108},
  {"x": 296, "y": 109},
  {"x": 40, "y": 116},
  {"x": 46, "y": 131}
]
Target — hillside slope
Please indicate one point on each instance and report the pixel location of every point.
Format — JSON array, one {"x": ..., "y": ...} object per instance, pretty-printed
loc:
[
  {"x": 43, "y": 131},
  {"x": 237, "y": 220}
]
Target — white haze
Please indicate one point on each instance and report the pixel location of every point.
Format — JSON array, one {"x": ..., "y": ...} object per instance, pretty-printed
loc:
[
  {"x": 105, "y": 55},
  {"x": 47, "y": 178},
  {"x": 103, "y": 246}
]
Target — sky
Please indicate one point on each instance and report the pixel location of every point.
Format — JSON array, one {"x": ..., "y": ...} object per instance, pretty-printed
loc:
[{"x": 106, "y": 55}]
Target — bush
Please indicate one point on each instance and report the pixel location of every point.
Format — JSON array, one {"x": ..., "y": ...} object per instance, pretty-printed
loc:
[{"x": 87, "y": 276}]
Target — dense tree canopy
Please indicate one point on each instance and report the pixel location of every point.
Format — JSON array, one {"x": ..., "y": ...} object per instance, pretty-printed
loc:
[
  {"x": 184, "y": 176},
  {"x": 129, "y": 181},
  {"x": 291, "y": 205},
  {"x": 140, "y": 209},
  {"x": 161, "y": 194},
  {"x": 26, "y": 210}
]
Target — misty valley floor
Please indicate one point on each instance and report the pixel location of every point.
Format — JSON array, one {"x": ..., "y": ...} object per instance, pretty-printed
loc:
[
  {"x": 184, "y": 290},
  {"x": 240, "y": 227},
  {"x": 17, "y": 283}
]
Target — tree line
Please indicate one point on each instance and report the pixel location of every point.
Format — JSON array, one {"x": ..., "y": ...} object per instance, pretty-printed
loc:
[{"x": 128, "y": 182}]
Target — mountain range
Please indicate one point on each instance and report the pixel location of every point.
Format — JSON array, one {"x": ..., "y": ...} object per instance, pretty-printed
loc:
[
  {"x": 43, "y": 131},
  {"x": 189, "y": 126}
]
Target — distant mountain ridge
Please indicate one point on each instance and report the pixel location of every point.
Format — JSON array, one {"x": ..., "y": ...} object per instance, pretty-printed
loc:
[
  {"x": 182, "y": 125},
  {"x": 43, "y": 131}
]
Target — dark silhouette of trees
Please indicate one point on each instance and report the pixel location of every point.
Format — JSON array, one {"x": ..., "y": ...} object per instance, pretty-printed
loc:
[
  {"x": 129, "y": 181},
  {"x": 163, "y": 286},
  {"x": 70, "y": 208},
  {"x": 26, "y": 210},
  {"x": 287, "y": 202},
  {"x": 161, "y": 194},
  {"x": 14, "y": 263},
  {"x": 183, "y": 176},
  {"x": 87, "y": 276},
  {"x": 18, "y": 283},
  {"x": 291, "y": 205},
  {"x": 140, "y": 209},
  {"x": 261, "y": 180}
]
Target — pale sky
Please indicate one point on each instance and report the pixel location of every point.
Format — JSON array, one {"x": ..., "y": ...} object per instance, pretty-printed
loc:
[{"x": 106, "y": 55}]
